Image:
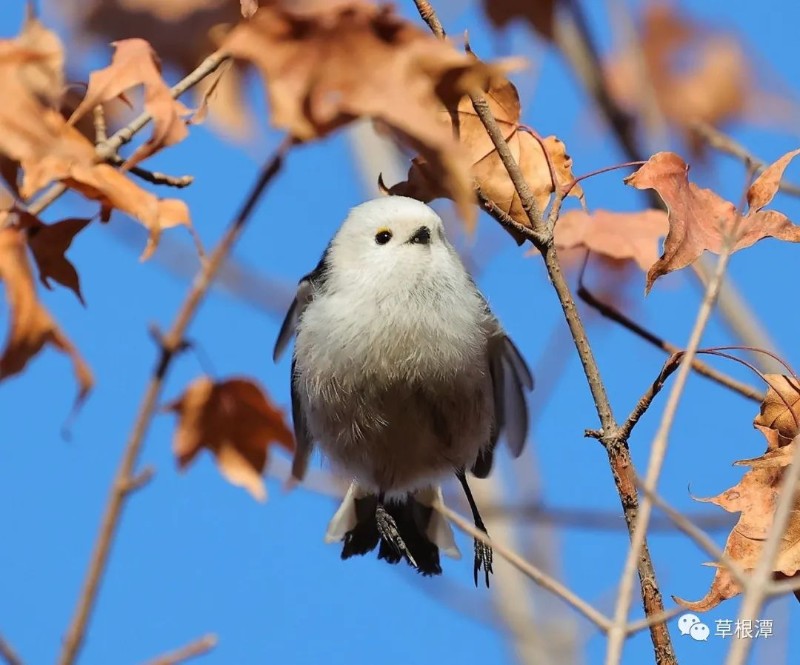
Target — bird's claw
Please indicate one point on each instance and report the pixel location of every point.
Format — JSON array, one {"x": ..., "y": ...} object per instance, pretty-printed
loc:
[
  {"x": 483, "y": 560},
  {"x": 387, "y": 528}
]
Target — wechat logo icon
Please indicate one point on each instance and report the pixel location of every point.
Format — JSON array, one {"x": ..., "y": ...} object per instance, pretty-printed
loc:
[{"x": 690, "y": 624}]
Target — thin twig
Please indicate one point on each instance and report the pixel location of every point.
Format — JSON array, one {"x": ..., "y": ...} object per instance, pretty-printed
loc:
[
  {"x": 643, "y": 624},
  {"x": 658, "y": 450},
  {"x": 727, "y": 145},
  {"x": 108, "y": 149},
  {"x": 650, "y": 394},
  {"x": 757, "y": 589},
  {"x": 698, "y": 366},
  {"x": 170, "y": 345},
  {"x": 620, "y": 461},
  {"x": 540, "y": 577},
  {"x": 575, "y": 41},
  {"x": 8, "y": 654},
  {"x": 196, "y": 648}
]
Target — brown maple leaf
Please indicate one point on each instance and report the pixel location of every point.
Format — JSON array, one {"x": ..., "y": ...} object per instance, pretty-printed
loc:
[
  {"x": 328, "y": 64},
  {"x": 49, "y": 243},
  {"x": 235, "y": 420},
  {"x": 487, "y": 168},
  {"x": 695, "y": 72},
  {"x": 700, "y": 220},
  {"x": 31, "y": 324},
  {"x": 36, "y": 136},
  {"x": 539, "y": 13},
  {"x": 616, "y": 235},
  {"x": 99, "y": 22},
  {"x": 755, "y": 496},
  {"x": 135, "y": 63}
]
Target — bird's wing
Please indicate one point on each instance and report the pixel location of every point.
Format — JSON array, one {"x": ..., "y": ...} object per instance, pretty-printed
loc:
[
  {"x": 304, "y": 443},
  {"x": 511, "y": 379}
]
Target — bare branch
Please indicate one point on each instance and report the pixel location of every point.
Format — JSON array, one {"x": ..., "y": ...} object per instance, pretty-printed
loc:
[
  {"x": 170, "y": 345},
  {"x": 196, "y": 648},
  {"x": 540, "y": 577},
  {"x": 8, "y": 654}
]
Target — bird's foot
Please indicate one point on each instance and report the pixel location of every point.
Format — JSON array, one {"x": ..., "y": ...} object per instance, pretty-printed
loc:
[
  {"x": 387, "y": 528},
  {"x": 483, "y": 559}
]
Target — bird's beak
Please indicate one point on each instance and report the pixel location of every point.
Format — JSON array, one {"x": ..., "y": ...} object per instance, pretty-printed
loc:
[{"x": 422, "y": 236}]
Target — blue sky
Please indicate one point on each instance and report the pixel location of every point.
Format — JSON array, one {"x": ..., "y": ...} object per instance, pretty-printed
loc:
[{"x": 197, "y": 555}]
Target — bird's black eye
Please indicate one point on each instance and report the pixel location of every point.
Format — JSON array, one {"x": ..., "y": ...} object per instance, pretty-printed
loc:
[{"x": 383, "y": 236}]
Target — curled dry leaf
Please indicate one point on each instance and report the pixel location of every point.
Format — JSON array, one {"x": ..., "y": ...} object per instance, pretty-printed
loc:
[
  {"x": 616, "y": 235},
  {"x": 99, "y": 22},
  {"x": 235, "y": 420},
  {"x": 487, "y": 169},
  {"x": 327, "y": 64},
  {"x": 700, "y": 220},
  {"x": 134, "y": 64},
  {"x": 540, "y": 14},
  {"x": 31, "y": 324},
  {"x": 36, "y": 136},
  {"x": 49, "y": 244},
  {"x": 694, "y": 73},
  {"x": 756, "y": 496}
]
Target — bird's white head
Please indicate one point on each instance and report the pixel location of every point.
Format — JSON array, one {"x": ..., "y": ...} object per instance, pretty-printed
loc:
[{"x": 393, "y": 235}]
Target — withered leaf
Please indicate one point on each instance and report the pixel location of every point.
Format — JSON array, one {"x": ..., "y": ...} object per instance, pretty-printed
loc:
[
  {"x": 249, "y": 7},
  {"x": 31, "y": 324},
  {"x": 99, "y": 22},
  {"x": 539, "y": 13},
  {"x": 693, "y": 72},
  {"x": 617, "y": 235},
  {"x": 487, "y": 170},
  {"x": 135, "y": 63},
  {"x": 755, "y": 497},
  {"x": 235, "y": 420},
  {"x": 328, "y": 64},
  {"x": 700, "y": 220},
  {"x": 48, "y": 149},
  {"x": 49, "y": 244}
]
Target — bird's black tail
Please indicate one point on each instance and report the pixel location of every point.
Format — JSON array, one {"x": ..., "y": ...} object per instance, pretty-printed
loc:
[{"x": 421, "y": 530}]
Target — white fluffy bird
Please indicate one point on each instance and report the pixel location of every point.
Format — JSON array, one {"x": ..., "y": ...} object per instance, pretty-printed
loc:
[{"x": 403, "y": 376}]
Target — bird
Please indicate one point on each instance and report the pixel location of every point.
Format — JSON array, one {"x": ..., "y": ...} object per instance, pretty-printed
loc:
[{"x": 403, "y": 377}]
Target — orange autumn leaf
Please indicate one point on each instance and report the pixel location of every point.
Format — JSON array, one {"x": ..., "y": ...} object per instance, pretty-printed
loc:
[
  {"x": 326, "y": 64},
  {"x": 700, "y": 220},
  {"x": 755, "y": 497},
  {"x": 487, "y": 168},
  {"x": 98, "y": 22},
  {"x": 615, "y": 235},
  {"x": 35, "y": 135},
  {"x": 32, "y": 326},
  {"x": 235, "y": 420},
  {"x": 134, "y": 64},
  {"x": 689, "y": 72}
]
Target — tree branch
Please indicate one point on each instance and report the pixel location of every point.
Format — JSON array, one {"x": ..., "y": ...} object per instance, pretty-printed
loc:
[
  {"x": 170, "y": 344},
  {"x": 107, "y": 150},
  {"x": 8, "y": 654},
  {"x": 618, "y": 454},
  {"x": 196, "y": 648}
]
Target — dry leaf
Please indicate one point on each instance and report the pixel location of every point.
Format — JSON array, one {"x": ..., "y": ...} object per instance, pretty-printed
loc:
[
  {"x": 48, "y": 149},
  {"x": 329, "y": 64},
  {"x": 487, "y": 170},
  {"x": 539, "y": 13},
  {"x": 616, "y": 235},
  {"x": 135, "y": 63},
  {"x": 31, "y": 324},
  {"x": 700, "y": 220},
  {"x": 695, "y": 73},
  {"x": 756, "y": 496},
  {"x": 235, "y": 421},
  {"x": 780, "y": 411},
  {"x": 49, "y": 243},
  {"x": 159, "y": 21}
]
